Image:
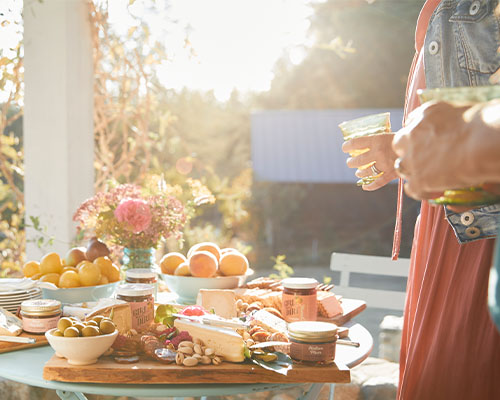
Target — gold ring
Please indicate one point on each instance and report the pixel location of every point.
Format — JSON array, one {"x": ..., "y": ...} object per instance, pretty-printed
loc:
[{"x": 375, "y": 170}]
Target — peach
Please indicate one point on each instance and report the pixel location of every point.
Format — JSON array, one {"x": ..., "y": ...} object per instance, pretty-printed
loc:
[
  {"x": 50, "y": 263},
  {"x": 31, "y": 268},
  {"x": 69, "y": 279},
  {"x": 182, "y": 269},
  {"x": 89, "y": 273},
  {"x": 205, "y": 246},
  {"x": 51, "y": 277},
  {"x": 171, "y": 261},
  {"x": 233, "y": 263},
  {"x": 203, "y": 264}
]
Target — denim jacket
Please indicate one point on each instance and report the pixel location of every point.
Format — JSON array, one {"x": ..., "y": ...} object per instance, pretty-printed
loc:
[{"x": 462, "y": 48}]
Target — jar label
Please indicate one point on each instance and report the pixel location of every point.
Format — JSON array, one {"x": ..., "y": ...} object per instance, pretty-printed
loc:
[
  {"x": 40, "y": 325},
  {"x": 299, "y": 308},
  {"x": 142, "y": 313},
  {"x": 315, "y": 352}
]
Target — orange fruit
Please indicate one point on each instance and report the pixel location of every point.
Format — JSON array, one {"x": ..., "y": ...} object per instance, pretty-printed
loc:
[
  {"x": 104, "y": 263},
  {"x": 89, "y": 273},
  {"x": 104, "y": 280},
  {"x": 233, "y": 263},
  {"x": 182, "y": 270},
  {"x": 205, "y": 246},
  {"x": 171, "y": 261},
  {"x": 69, "y": 279},
  {"x": 31, "y": 268},
  {"x": 113, "y": 273},
  {"x": 202, "y": 264},
  {"x": 51, "y": 277},
  {"x": 49, "y": 263},
  {"x": 68, "y": 268}
]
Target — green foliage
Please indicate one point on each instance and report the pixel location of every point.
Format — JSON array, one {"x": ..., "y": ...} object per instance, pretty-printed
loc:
[
  {"x": 282, "y": 268},
  {"x": 165, "y": 314}
]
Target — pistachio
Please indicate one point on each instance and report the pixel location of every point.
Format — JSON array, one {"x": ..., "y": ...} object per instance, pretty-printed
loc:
[
  {"x": 197, "y": 349},
  {"x": 198, "y": 341},
  {"x": 185, "y": 350},
  {"x": 190, "y": 361},
  {"x": 206, "y": 360},
  {"x": 197, "y": 356},
  {"x": 216, "y": 360},
  {"x": 179, "y": 358},
  {"x": 209, "y": 352},
  {"x": 186, "y": 343}
]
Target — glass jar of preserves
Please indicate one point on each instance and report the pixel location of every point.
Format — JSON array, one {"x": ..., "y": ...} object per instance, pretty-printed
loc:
[
  {"x": 312, "y": 342},
  {"x": 140, "y": 298},
  {"x": 40, "y": 315},
  {"x": 299, "y": 299},
  {"x": 143, "y": 275}
]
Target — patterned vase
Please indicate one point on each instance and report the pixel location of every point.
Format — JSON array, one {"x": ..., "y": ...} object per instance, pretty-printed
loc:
[{"x": 138, "y": 258}]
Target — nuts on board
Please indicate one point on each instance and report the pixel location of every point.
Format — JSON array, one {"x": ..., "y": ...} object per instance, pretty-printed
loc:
[
  {"x": 216, "y": 360},
  {"x": 190, "y": 361},
  {"x": 197, "y": 349},
  {"x": 209, "y": 352},
  {"x": 185, "y": 350},
  {"x": 206, "y": 360},
  {"x": 186, "y": 343},
  {"x": 179, "y": 358}
]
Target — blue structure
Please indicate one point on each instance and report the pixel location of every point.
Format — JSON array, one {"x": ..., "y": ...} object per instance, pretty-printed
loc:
[{"x": 305, "y": 146}]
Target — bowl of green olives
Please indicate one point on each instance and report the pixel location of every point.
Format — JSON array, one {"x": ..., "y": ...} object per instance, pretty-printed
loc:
[{"x": 82, "y": 342}]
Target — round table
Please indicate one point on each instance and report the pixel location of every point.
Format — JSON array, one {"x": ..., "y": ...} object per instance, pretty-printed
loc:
[{"x": 26, "y": 366}]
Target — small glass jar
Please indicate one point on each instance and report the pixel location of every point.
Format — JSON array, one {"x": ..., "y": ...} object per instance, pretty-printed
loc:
[
  {"x": 142, "y": 304},
  {"x": 143, "y": 275},
  {"x": 312, "y": 342},
  {"x": 40, "y": 315},
  {"x": 299, "y": 299}
]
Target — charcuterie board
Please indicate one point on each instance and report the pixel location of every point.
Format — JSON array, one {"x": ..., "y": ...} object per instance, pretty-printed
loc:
[
  {"x": 147, "y": 372},
  {"x": 41, "y": 340},
  {"x": 351, "y": 308}
]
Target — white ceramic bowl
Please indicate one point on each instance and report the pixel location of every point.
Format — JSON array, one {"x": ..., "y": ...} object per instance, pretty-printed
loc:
[
  {"x": 187, "y": 287},
  {"x": 81, "y": 350},
  {"x": 81, "y": 294}
]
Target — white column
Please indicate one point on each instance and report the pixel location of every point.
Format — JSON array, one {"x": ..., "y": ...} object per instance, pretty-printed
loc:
[{"x": 58, "y": 117}]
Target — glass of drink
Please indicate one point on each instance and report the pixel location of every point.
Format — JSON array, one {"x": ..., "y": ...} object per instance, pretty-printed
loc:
[
  {"x": 374, "y": 124},
  {"x": 472, "y": 196}
]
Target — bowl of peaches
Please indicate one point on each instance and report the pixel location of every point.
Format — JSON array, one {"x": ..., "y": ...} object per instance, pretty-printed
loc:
[
  {"x": 205, "y": 266},
  {"x": 83, "y": 274}
]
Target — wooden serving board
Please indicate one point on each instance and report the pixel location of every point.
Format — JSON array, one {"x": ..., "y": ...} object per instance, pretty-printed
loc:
[
  {"x": 351, "y": 307},
  {"x": 146, "y": 372},
  {"x": 41, "y": 340}
]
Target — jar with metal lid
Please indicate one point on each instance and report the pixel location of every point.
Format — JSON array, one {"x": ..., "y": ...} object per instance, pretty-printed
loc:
[
  {"x": 142, "y": 304},
  {"x": 143, "y": 275},
  {"x": 40, "y": 315},
  {"x": 299, "y": 299},
  {"x": 313, "y": 342}
]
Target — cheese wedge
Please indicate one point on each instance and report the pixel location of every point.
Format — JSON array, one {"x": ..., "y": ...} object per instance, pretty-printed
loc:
[
  {"x": 269, "y": 321},
  {"x": 121, "y": 314},
  {"x": 225, "y": 342},
  {"x": 10, "y": 325},
  {"x": 221, "y": 302}
]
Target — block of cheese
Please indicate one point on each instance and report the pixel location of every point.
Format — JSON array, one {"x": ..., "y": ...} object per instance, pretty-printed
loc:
[
  {"x": 221, "y": 301},
  {"x": 10, "y": 325},
  {"x": 121, "y": 314},
  {"x": 328, "y": 305},
  {"x": 269, "y": 322},
  {"x": 225, "y": 342}
]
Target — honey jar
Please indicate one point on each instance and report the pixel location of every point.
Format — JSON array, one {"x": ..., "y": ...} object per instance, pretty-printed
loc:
[
  {"x": 312, "y": 342},
  {"x": 299, "y": 299},
  {"x": 143, "y": 275},
  {"x": 140, "y": 298},
  {"x": 40, "y": 315}
]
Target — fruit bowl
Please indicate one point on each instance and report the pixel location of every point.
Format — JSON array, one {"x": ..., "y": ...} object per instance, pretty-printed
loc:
[
  {"x": 80, "y": 350},
  {"x": 187, "y": 287},
  {"x": 81, "y": 294}
]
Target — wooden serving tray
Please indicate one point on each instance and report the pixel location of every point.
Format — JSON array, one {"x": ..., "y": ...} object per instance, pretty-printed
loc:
[
  {"x": 351, "y": 307},
  {"x": 41, "y": 340},
  {"x": 146, "y": 372}
]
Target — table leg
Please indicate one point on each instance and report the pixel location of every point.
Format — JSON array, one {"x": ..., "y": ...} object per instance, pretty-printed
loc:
[
  {"x": 63, "y": 395},
  {"x": 314, "y": 391}
]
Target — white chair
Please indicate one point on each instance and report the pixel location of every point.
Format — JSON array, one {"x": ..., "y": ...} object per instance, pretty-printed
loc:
[{"x": 372, "y": 265}]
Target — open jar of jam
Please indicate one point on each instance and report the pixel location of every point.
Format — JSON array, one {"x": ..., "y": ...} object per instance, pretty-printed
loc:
[
  {"x": 140, "y": 298},
  {"x": 40, "y": 315},
  {"x": 143, "y": 275},
  {"x": 299, "y": 299},
  {"x": 312, "y": 342}
]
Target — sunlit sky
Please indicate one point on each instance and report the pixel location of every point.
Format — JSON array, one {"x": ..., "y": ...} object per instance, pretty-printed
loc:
[{"x": 234, "y": 43}]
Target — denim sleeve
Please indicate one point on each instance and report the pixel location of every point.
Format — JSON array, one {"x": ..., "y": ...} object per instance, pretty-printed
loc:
[{"x": 475, "y": 224}]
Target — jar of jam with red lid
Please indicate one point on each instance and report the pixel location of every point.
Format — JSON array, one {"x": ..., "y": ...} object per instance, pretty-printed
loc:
[
  {"x": 299, "y": 299},
  {"x": 143, "y": 275},
  {"x": 312, "y": 342},
  {"x": 140, "y": 298}
]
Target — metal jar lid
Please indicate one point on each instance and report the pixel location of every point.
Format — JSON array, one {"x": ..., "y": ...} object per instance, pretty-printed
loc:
[
  {"x": 312, "y": 331},
  {"x": 141, "y": 273},
  {"x": 299, "y": 283},
  {"x": 41, "y": 307},
  {"x": 135, "y": 289}
]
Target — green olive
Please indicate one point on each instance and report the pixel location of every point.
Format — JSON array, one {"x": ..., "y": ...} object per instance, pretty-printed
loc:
[
  {"x": 57, "y": 332},
  {"x": 97, "y": 318},
  {"x": 71, "y": 332},
  {"x": 106, "y": 327},
  {"x": 79, "y": 326},
  {"x": 64, "y": 323},
  {"x": 92, "y": 322},
  {"x": 90, "y": 330}
]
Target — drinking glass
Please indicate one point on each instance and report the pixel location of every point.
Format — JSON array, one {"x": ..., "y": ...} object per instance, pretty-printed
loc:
[
  {"x": 368, "y": 125},
  {"x": 472, "y": 196}
]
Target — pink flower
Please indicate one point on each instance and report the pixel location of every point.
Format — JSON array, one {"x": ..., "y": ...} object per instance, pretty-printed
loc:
[{"x": 135, "y": 213}]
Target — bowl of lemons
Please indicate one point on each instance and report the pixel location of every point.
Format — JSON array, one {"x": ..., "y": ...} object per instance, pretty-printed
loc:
[
  {"x": 79, "y": 276},
  {"x": 205, "y": 266}
]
